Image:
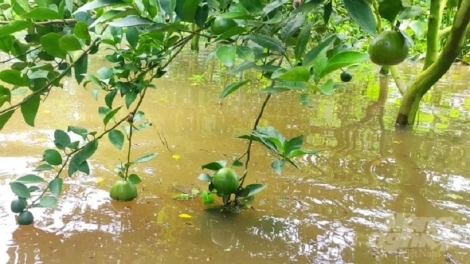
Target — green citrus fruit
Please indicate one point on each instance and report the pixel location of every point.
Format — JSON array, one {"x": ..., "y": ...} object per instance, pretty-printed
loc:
[
  {"x": 123, "y": 191},
  {"x": 220, "y": 25},
  {"x": 388, "y": 48},
  {"x": 225, "y": 181},
  {"x": 345, "y": 76},
  {"x": 18, "y": 205},
  {"x": 25, "y": 218}
]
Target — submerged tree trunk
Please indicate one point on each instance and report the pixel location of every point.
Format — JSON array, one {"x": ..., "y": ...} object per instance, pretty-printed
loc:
[
  {"x": 195, "y": 40},
  {"x": 427, "y": 78}
]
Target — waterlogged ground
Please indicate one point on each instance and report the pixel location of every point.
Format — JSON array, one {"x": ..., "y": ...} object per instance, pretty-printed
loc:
[{"x": 374, "y": 194}]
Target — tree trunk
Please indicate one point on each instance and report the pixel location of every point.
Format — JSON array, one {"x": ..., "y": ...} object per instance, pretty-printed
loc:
[{"x": 428, "y": 77}]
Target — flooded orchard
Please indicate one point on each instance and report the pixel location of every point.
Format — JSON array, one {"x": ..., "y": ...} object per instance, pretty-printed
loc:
[{"x": 374, "y": 194}]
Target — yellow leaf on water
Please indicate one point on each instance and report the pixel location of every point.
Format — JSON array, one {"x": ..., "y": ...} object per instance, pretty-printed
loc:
[
  {"x": 41, "y": 139},
  {"x": 176, "y": 156},
  {"x": 164, "y": 100},
  {"x": 397, "y": 142},
  {"x": 46, "y": 111},
  {"x": 99, "y": 179},
  {"x": 185, "y": 216}
]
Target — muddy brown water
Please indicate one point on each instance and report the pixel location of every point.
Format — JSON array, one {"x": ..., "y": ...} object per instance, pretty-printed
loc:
[{"x": 373, "y": 195}]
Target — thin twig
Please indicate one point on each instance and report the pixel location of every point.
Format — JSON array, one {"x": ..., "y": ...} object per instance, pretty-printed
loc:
[
  {"x": 49, "y": 22},
  {"x": 17, "y": 56}
]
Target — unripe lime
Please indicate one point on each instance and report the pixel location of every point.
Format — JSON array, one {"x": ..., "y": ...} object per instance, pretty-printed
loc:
[
  {"x": 388, "y": 48},
  {"x": 25, "y": 218},
  {"x": 18, "y": 205},
  {"x": 225, "y": 181},
  {"x": 220, "y": 25},
  {"x": 123, "y": 191}
]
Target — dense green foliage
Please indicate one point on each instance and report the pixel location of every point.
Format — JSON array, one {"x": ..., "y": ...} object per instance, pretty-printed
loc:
[{"x": 294, "y": 49}]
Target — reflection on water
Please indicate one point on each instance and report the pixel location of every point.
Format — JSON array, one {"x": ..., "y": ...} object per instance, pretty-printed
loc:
[{"x": 373, "y": 194}]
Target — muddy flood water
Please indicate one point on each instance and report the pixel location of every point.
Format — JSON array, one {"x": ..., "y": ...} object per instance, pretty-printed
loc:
[{"x": 374, "y": 194}]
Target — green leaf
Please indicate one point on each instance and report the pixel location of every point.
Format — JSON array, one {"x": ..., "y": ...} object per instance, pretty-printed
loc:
[
  {"x": 237, "y": 15},
  {"x": 130, "y": 98},
  {"x": 33, "y": 188},
  {"x": 202, "y": 13},
  {"x": 168, "y": 6},
  {"x": 295, "y": 74},
  {"x": 5, "y": 95},
  {"x": 232, "y": 88},
  {"x": 70, "y": 43},
  {"x": 189, "y": 10},
  {"x": 14, "y": 26},
  {"x": 207, "y": 198},
  {"x": 50, "y": 43},
  {"x": 44, "y": 167},
  {"x": 389, "y": 9},
  {"x": 315, "y": 52},
  {"x": 52, "y": 157},
  {"x": 14, "y": 77},
  {"x": 97, "y": 4},
  {"x": 110, "y": 115},
  {"x": 75, "y": 166},
  {"x": 410, "y": 12},
  {"x": 81, "y": 30},
  {"x": 245, "y": 53},
  {"x": 81, "y": 68},
  {"x": 252, "y": 6},
  {"x": 215, "y": 166},
  {"x": 55, "y": 186},
  {"x": 20, "y": 189},
  {"x": 61, "y": 139},
  {"x": 29, "y": 109},
  {"x": 227, "y": 55},
  {"x": 300, "y": 152},
  {"x": 361, "y": 12},
  {"x": 343, "y": 59},
  {"x": 130, "y": 21},
  {"x": 109, "y": 98},
  {"x": 132, "y": 36},
  {"x": 5, "y": 117},
  {"x": 328, "y": 9},
  {"x": 42, "y": 13},
  {"x": 291, "y": 27},
  {"x": 134, "y": 178},
  {"x": 204, "y": 177},
  {"x": 254, "y": 188},
  {"x": 48, "y": 202},
  {"x": 234, "y": 31},
  {"x": 302, "y": 42},
  {"x": 278, "y": 165},
  {"x": 267, "y": 42},
  {"x": 81, "y": 131},
  {"x": 116, "y": 137},
  {"x": 146, "y": 158},
  {"x": 327, "y": 87},
  {"x": 30, "y": 178}
]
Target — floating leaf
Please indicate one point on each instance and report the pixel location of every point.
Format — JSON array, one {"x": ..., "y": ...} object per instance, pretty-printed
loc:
[
  {"x": 185, "y": 216},
  {"x": 146, "y": 158},
  {"x": 176, "y": 156}
]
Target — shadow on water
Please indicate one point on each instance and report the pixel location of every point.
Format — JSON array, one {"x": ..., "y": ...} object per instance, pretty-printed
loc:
[{"x": 373, "y": 195}]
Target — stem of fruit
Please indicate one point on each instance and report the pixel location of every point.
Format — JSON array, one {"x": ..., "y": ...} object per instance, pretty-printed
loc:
[
  {"x": 129, "y": 139},
  {"x": 250, "y": 142}
]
